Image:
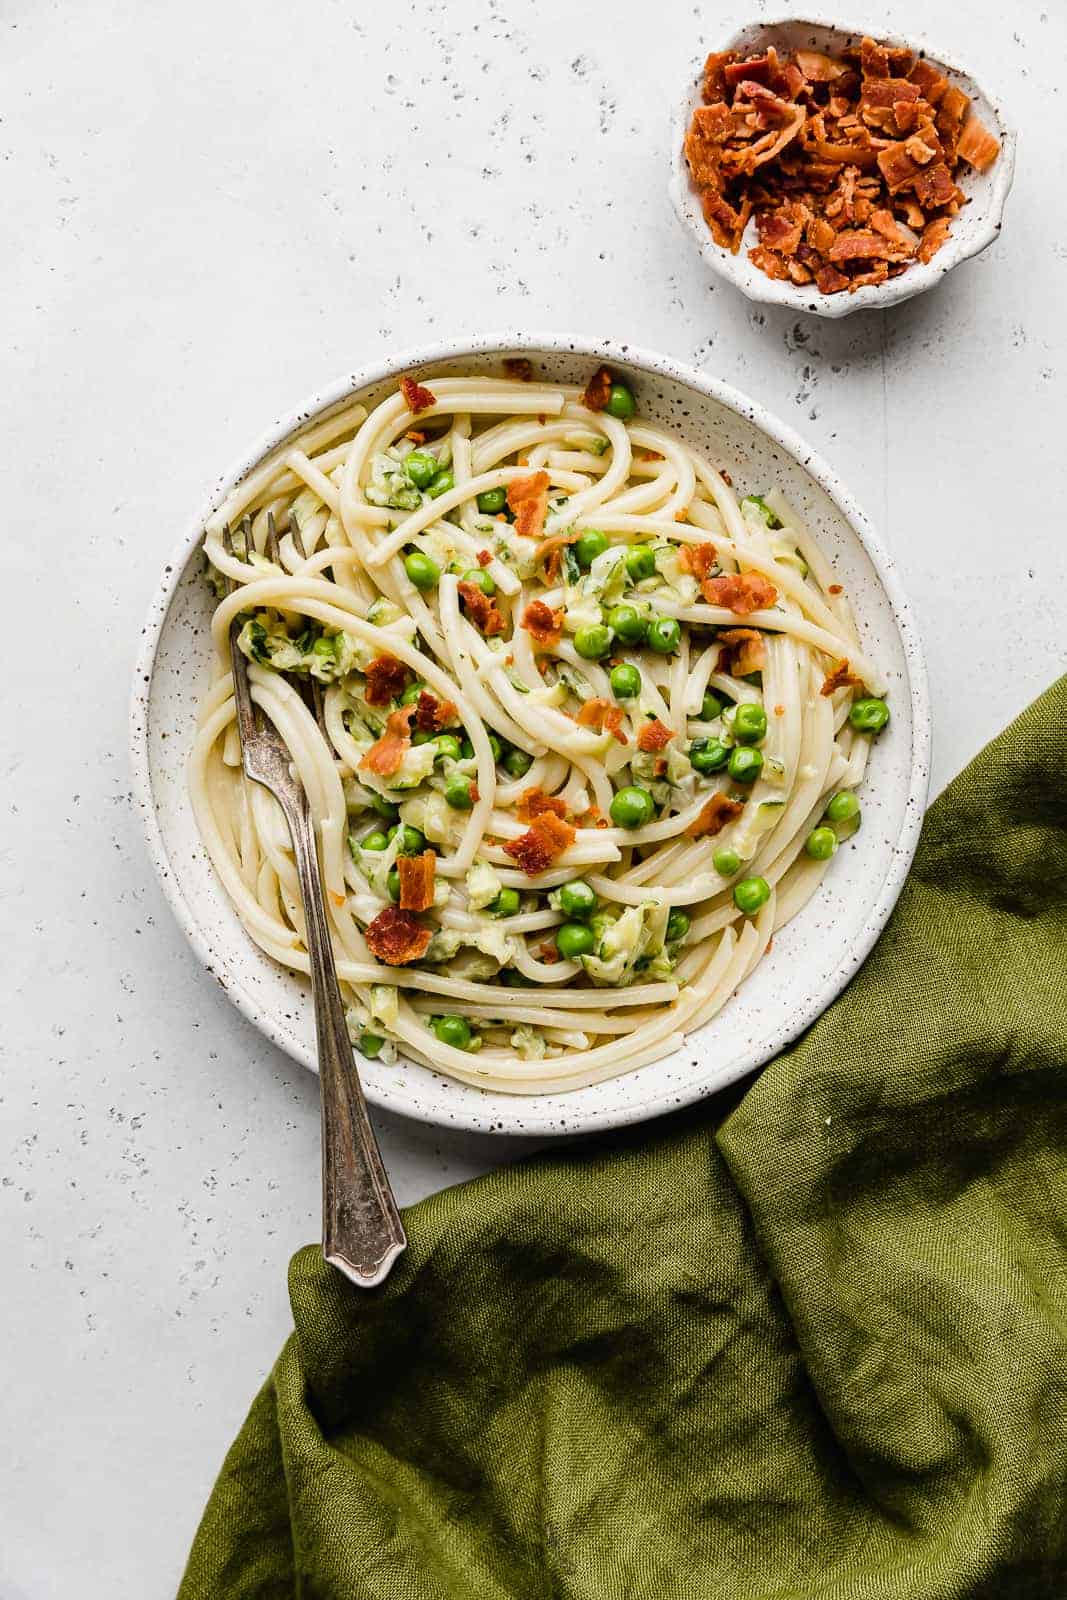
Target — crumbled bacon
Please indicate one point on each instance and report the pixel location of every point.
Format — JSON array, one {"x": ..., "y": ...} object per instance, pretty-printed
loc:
[
  {"x": 528, "y": 500},
  {"x": 816, "y": 146},
  {"x": 550, "y": 552},
  {"x": 384, "y": 757},
  {"x": 741, "y": 652},
  {"x": 543, "y": 624},
  {"x": 386, "y": 678},
  {"x": 714, "y": 815},
  {"x": 699, "y": 559},
  {"x": 397, "y": 937},
  {"x": 597, "y": 391},
  {"x": 518, "y": 368},
  {"x": 654, "y": 735},
  {"x": 485, "y": 558},
  {"x": 416, "y": 396},
  {"x": 536, "y": 803},
  {"x": 603, "y": 716},
  {"x": 481, "y": 609},
  {"x": 740, "y": 592},
  {"x": 431, "y": 714},
  {"x": 416, "y": 881},
  {"x": 840, "y": 678},
  {"x": 543, "y": 842}
]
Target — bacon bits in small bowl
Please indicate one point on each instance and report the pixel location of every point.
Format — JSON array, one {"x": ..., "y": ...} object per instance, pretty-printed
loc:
[{"x": 824, "y": 170}]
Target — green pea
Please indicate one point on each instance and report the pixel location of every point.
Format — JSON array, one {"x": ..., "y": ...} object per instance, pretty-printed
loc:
[
  {"x": 384, "y": 808},
  {"x": 517, "y": 763},
  {"x": 750, "y": 723},
  {"x": 575, "y": 939},
  {"x": 392, "y": 883},
  {"x": 844, "y": 807},
  {"x": 374, "y": 841},
  {"x": 621, "y": 403},
  {"x": 710, "y": 707},
  {"x": 588, "y": 546},
  {"x": 466, "y": 749},
  {"x": 495, "y": 746},
  {"x": 664, "y": 636},
  {"x": 412, "y": 842},
  {"x": 424, "y": 573},
  {"x": 628, "y": 624},
  {"x": 491, "y": 501},
  {"x": 447, "y": 747},
  {"x": 440, "y": 483},
  {"x": 744, "y": 765},
  {"x": 458, "y": 792},
  {"x": 455, "y": 1031},
  {"x": 371, "y": 1044},
  {"x": 423, "y": 736},
  {"x": 593, "y": 642},
  {"x": 677, "y": 926},
  {"x": 726, "y": 861},
  {"x": 411, "y": 694},
  {"x": 632, "y": 807},
  {"x": 625, "y": 682},
  {"x": 821, "y": 844},
  {"x": 869, "y": 716},
  {"x": 479, "y": 576},
  {"x": 708, "y": 755},
  {"x": 577, "y": 899},
  {"x": 640, "y": 562},
  {"x": 506, "y": 904},
  {"x": 421, "y": 467},
  {"x": 750, "y": 894}
]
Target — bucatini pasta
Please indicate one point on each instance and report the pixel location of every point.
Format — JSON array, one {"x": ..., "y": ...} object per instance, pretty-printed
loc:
[{"x": 586, "y": 728}]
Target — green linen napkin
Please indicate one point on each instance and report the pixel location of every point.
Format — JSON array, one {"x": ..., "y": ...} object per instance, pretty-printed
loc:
[{"x": 810, "y": 1345}]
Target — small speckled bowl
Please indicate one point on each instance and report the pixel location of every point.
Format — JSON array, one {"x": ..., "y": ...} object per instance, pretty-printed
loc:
[
  {"x": 812, "y": 958},
  {"x": 976, "y": 226}
]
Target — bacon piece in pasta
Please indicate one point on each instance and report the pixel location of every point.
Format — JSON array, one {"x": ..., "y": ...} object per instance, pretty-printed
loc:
[
  {"x": 536, "y": 803},
  {"x": 386, "y": 679},
  {"x": 654, "y": 735},
  {"x": 740, "y": 592},
  {"x": 386, "y": 754},
  {"x": 698, "y": 559},
  {"x": 601, "y": 715},
  {"x": 416, "y": 881},
  {"x": 597, "y": 391},
  {"x": 543, "y": 843},
  {"x": 714, "y": 816},
  {"x": 416, "y": 396},
  {"x": 397, "y": 937},
  {"x": 741, "y": 651},
  {"x": 544, "y": 625},
  {"x": 840, "y": 678},
  {"x": 528, "y": 500},
  {"x": 431, "y": 714},
  {"x": 481, "y": 609}
]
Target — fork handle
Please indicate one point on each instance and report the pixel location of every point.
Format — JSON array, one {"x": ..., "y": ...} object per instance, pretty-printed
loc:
[{"x": 362, "y": 1234}]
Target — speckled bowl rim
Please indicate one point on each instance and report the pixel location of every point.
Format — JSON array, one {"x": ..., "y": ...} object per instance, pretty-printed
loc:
[
  {"x": 527, "y": 1118},
  {"x": 872, "y": 297}
]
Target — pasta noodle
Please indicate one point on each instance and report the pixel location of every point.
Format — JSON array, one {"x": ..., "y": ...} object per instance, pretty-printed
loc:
[{"x": 579, "y": 729}]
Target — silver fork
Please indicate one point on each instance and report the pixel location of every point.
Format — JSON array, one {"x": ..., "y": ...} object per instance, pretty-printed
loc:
[{"x": 362, "y": 1234}]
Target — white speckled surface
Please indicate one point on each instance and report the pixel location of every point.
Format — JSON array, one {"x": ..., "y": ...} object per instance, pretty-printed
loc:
[{"x": 216, "y": 208}]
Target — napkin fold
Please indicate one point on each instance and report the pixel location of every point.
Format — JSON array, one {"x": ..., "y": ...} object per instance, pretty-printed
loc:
[{"x": 806, "y": 1343}]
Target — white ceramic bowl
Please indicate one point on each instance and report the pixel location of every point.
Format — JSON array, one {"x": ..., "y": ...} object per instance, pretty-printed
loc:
[
  {"x": 976, "y": 226},
  {"x": 812, "y": 959}
]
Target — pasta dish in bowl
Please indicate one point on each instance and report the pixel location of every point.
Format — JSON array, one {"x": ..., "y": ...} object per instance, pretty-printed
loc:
[{"x": 581, "y": 708}]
